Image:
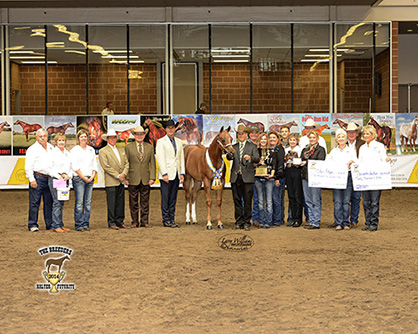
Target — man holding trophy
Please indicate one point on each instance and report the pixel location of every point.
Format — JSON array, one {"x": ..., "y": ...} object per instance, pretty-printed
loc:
[{"x": 242, "y": 177}]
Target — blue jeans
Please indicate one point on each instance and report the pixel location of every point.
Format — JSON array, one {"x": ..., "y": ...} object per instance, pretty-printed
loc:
[
  {"x": 278, "y": 203},
  {"x": 371, "y": 200},
  {"x": 264, "y": 188},
  {"x": 255, "y": 214},
  {"x": 313, "y": 201},
  {"x": 35, "y": 195},
  {"x": 355, "y": 203},
  {"x": 56, "y": 206},
  {"x": 342, "y": 204},
  {"x": 82, "y": 208}
]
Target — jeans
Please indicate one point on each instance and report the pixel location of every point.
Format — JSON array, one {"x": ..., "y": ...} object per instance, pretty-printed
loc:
[
  {"x": 169, "y": 199},
  {"x": 56, "y": 206},
  {"x": 313, "y": 201},
  {"x": 371, "y": 200},
  {"x": 355, "y": 203},
  {"x": 342, "y": 204},
  {"x": 278, "y": 203},
  {"x": 264, "y": 189},
  {"x": 82, "y": 208},
  {"x": 35, "y": 195},
  {"x": 256, "y": 216}
]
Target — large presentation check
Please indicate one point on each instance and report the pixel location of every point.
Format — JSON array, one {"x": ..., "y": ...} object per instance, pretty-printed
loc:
[
  {"x": 327, "y": 174},
  {"x": 375, "y": 176}
]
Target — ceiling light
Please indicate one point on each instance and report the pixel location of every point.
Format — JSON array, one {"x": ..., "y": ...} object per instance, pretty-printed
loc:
[
  {"x": 315, "y": 60},
  {"x": 230, "y": 61},
  {"x": 75, "y": 51},
  {"x": 112, "y": 51},
  {"x": 21, "y": 52},
  {"x": 27, "y": 57},
  {"x": 318, "y": 55},
  {"x": 410, "y": 30},
  {"x": 234, "y": 56},
  {"x": 121, "y": 57},
  {"x": 327, "y": 50},
  {"x": 136, "y": 61},
  {"x": 230, "y": 50},
  {"x": 39, "y": 62}
]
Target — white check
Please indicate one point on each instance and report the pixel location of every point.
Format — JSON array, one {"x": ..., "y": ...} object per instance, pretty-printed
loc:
[
  {"x": 371, "y": 177},
  {"x": 327, "y": 174}
]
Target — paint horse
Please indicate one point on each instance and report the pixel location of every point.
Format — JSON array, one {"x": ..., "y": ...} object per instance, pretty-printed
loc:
[
  {"x": 206, "y": 165},
  {"x": 124, "y": 135},
  {"x": 28, "y": 128},
  {"x": 278, "y": 127},
  {"x": 3, "y": 124},
  {"x": 319, "y": 130},
  {"x": 384, "y": 133},
  {"x": 408, "y": 132},
  {"x": 156, "y": 130},
  {"x": 250, "y": 124},
  {"x": 59, "y": 129},
  {"x": 56, "y": 262}
]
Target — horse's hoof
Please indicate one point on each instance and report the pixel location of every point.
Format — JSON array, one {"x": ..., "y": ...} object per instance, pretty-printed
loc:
[
  {"x": 187, "y": 223},
  {"x": 208, "y": 227},
  {"x": 194, "y": 223},
  {"x": 221, "y": 227}
]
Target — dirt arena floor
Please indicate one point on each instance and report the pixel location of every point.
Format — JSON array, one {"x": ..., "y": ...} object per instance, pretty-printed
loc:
[{"x": 163, "y": 280}]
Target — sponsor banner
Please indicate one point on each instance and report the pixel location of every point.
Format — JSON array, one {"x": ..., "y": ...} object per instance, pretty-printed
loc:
[
  {"x": 6, "y": 123},
  {"x": 323, "y": 126},
  {"x": 212, "y": 124},
  {"x": 123, "y": 124},
  {"x": 406, "y": 133},
  {"x": 189, "y": 129}
]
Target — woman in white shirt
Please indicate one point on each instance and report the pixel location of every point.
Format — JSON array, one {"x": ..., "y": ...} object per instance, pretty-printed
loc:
[
  {"x": 371, "y": 152},
  {"x": 60, "y": 169},
  {"x": 346, "y": 156},
  {"x": 84, "y": 164}
]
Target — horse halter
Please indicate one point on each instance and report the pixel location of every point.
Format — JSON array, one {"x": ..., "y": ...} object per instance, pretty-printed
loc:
[{"x": 223, "y": 146}]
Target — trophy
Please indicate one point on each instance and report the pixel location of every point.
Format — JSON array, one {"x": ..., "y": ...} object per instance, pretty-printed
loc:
[
  {"x": 261, "y": 169},
  {"x": 54, "y": 278}
]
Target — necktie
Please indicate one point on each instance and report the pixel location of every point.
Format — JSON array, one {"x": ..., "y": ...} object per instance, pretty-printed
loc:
[
  {"x": 241, "y": 150},
  {"x": 174, "y": 145},
  {"x": 141, "y": 154}
]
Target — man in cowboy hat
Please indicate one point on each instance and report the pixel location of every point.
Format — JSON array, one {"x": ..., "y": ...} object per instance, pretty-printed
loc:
[
  {"x": 171, "y": 170},
  {"x": 141, "y": 176},
  {"x": 310, "y": 126},
  {"x": 354, "y": 141},
  {"x": 242, "y": 177},
  {"x": 115, "y": 166}
]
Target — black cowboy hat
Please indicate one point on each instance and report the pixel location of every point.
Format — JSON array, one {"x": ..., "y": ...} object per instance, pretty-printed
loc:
[{"x": 170, "y": 122}]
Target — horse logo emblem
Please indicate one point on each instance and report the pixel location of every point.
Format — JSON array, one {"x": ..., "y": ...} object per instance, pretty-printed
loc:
[{"x": 55, "y": 277}]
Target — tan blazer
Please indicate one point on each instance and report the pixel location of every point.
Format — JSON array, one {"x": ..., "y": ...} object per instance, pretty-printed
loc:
[
  {"x": 140, "y": 171},
  {"x": 168, "y": 162},
  {"x": 111, "y": 166}
]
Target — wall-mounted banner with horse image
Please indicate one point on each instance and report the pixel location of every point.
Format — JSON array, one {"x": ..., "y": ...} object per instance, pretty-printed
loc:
[
  {"x": 95, "y": 128},
  {"x": 53, "y": 274},
  {"x": 212, "y": 125},
  {"x": 406, "y": 133},
  {"x": 62, "y": 124},
  {"x": 123, "y": 124},
  {"x": 6, "y": 123},
  {"x": 385, "y": 125},
  {"x": 189, "y": 128},
  {"x": 249, "y": 120},
  {"x": 323, "y": 126},
  {"x": 24, "y": 132},
  {"x": 155, "y": 125},
  {"x": 340, "y": 121},
  {"x": 277, "y": 121}
]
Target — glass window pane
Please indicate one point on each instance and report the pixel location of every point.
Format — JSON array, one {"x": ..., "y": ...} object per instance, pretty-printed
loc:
[
  {"x": 382, "y": 67},
  {"x": 107, "y": 69},
  {"x": 147, "y": 46},
  {"x": 230, "y": 69},
  {"x": 66, "y": 51},
  {"x": 311, "y": 68},
  {"x": 27, "y": 70},
  {"x": 272, "y": 69},
  {"x": 191, "y": 59}
]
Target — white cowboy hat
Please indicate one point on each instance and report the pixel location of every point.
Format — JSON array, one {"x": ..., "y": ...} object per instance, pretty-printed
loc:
[
  {"x": 310, "y": 122},
  {"x": 139, "y": 128},
  {"x": 110, "y": 133},
  {"x": 352, "y": 127}
]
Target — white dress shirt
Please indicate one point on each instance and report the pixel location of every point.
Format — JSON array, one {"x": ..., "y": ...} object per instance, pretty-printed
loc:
[
  {"x": 343, "y": 156},
  {"x": 37, "y": 160},
  {"x": 85, "y": 160},
  {"x": 372, "y": 152},
  {"x": 60, "y": 163},
  {"x": 304, "y": 141}
]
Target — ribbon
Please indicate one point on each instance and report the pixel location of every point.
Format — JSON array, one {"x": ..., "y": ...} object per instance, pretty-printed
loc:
[{"x": 217, "y": 173}]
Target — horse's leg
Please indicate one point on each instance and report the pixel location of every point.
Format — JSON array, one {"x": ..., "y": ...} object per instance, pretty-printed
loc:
[
  {"x": 27, "y": 136},
  {"x": 186, "y": 187},
  {"x": 219, "y": 202},
  {"x": 206, "y": 184},
  {"x": 196, "y": 187}
]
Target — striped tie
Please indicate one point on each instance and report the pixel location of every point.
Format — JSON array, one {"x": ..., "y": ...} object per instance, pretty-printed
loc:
[
  {"x": 141, "y": 154},
  {"x": 241, "y": 150}
]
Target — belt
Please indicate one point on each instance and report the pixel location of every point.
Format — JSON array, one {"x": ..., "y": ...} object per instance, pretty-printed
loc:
[{"x": 44, "y": 175}]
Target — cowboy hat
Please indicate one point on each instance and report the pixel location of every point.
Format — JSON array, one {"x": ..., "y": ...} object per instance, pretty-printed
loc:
[
  {"x": 311, "y": 122},
  {"x": 242, "y": 128},
  {"x": 110, "y": 133},
  {"x": 168, "y": 123},
  {"x": 139, "y": 128},
  {"x": 352, "y": 127}
]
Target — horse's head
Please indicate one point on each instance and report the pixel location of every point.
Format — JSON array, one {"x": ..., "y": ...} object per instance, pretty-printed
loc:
[
  {"x": 415, "y": 120},
  {"x": 293, "y": 124},
  {"x": 371, "y": 121},
  {"x": 335, "y": 122},
  {"x": 6, "y": 124},
  {"x": 225, "y": 142},
  {"x": 70, "y": 125},
  {"x": 326, "y": 126},
  {"x": 17, "y": 122}
]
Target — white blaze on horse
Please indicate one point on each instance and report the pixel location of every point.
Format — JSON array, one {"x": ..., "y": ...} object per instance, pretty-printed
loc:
[{"x": 206, "y": 165}]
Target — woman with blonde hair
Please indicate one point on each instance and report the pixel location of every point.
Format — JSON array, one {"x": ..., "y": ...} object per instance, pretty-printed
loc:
[
  {"x": 371, "y": 152},
  {"x": 60, "y": 169},
  {"x": 84, "y": 164},
  {"x": 264, "y": 183}
]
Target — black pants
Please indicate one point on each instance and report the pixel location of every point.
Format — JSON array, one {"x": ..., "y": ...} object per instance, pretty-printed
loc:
[
  {"x": 243, "y": 195},
  {"x": 294, "y": 192},
  {"x": 115, "y": 205},
  {"x": 371, "y": 206},
  {"x": 169, "y": 199}
]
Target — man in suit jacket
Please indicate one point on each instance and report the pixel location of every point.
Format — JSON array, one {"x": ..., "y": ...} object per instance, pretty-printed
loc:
[
  {"x": 242, "y": 177},
  {"x": 354, "y": 141},
  {"x": 171, "y": 170},
  {"x": 141, "y": 176},
  {"x": 115, "y": 166}
]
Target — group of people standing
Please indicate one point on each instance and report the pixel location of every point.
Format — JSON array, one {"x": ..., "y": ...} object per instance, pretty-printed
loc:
[{"x": 263, "y": 165}]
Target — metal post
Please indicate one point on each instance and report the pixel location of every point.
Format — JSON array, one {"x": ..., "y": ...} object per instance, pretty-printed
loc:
[
  {"x": 128, "y": 68},
  {"x": 251, "y": 68},
  {"x": 46, "y": 69}
]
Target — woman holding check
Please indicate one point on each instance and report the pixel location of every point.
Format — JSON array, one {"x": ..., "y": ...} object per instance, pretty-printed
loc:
[{"x": 346, "y": 156}]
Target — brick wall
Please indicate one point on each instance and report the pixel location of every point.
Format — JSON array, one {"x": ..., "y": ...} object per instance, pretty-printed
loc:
[
  {"x": 382, "y": 67},
  {"x": 395, "y": 68}
]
